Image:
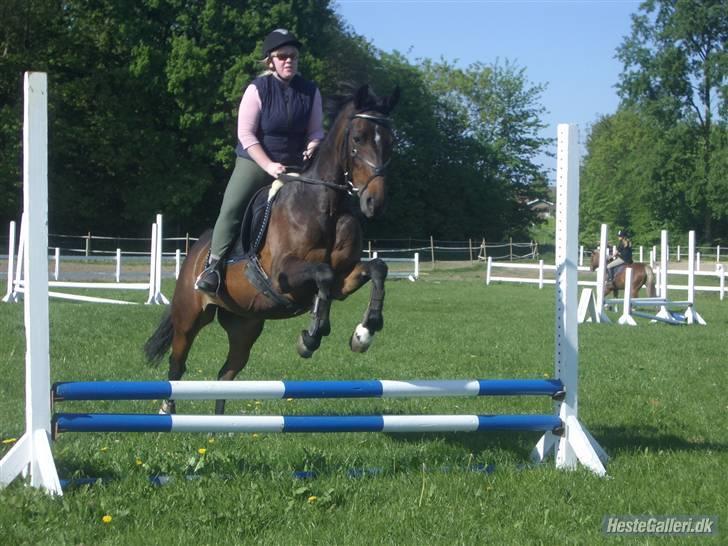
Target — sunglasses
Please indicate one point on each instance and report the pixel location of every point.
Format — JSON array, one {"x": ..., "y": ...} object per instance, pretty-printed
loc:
[{"x": 286, "y": 56}]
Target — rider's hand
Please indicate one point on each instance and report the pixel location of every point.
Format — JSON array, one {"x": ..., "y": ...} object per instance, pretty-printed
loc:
[{"x": 275, "y": 169}]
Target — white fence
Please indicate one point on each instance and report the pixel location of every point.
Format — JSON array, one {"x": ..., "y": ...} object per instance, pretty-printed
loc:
[
  {"x": 544, "y": 274},
  {"x": 16, "y": 272}
]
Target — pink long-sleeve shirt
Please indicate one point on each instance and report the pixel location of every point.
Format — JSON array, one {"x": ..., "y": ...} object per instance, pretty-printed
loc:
[{"x": 249, "y": 116}]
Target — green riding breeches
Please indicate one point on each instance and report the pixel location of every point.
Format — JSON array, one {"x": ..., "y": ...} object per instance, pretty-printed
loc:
[{"x": 247, "y": 178}]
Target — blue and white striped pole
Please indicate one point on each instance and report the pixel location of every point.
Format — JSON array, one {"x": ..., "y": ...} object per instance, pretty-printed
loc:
[
  {"x": 265, "y": 390},
  {"x": 110, "y": 422}
]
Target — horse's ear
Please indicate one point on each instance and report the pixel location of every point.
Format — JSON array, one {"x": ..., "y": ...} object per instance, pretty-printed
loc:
[
  {"x": 362, "y": 96},
  {"x": 391, "y": 101}
]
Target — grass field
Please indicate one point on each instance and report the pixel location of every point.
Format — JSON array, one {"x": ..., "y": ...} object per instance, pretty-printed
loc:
[{"x": 653, "y": 396}]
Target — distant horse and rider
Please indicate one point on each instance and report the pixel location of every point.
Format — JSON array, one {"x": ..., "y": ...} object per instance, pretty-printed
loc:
[
  {"x": 616, "y": 266},
  {"x": 310, "y": 255}
]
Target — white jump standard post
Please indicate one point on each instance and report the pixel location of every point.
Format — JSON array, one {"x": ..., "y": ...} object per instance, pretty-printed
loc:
[
  {"x": 31, "y": 455},
  {"x": 575, "y": 445}
]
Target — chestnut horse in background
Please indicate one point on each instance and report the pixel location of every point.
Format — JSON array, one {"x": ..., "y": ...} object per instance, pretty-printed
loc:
[
  {"x": 310, "y": 256},
  {"x": 642, "y": 275}
]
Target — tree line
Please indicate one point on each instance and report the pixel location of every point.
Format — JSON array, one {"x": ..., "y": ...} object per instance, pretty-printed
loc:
[
  {"x": 143, "y": 98},
  {"x": 142, "y": 115},
  {"x": 661, "y": 161}
]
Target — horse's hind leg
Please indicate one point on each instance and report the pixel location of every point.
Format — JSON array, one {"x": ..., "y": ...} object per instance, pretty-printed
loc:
[
  {"x": 297, "y": 274},
  {"x": 242, "y": 334},
  {"x": 185, "y": 332}
]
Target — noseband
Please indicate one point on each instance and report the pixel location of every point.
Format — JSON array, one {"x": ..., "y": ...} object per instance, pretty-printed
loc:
[{"x": 377, "y": 170}]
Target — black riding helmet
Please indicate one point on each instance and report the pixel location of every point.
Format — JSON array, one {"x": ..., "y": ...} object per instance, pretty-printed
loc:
[
  {"x": 278, "y": 38},
  {"x": 622, "y": 233}
]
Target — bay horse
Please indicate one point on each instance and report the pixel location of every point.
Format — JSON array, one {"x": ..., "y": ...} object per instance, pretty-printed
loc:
[
  {"x": 311, "y": 253},
  {"x": 642, "y": 275}
]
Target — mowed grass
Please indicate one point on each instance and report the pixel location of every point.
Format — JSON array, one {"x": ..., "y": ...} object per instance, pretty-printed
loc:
[{"x": 654, "y": 396}]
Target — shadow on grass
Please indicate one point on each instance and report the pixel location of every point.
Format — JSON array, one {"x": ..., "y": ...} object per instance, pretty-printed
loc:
[
  {"x": 632, "y": 439},
  {"x": 520, "y": 443}
]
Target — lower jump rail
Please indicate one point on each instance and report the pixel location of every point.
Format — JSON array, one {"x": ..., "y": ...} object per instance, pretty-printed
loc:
[{"x": 111, "y": 422}]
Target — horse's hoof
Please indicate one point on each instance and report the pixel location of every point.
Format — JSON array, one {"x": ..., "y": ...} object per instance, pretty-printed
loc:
[
  {"x": 361, "y": 339},
  {"x": 168, "y": 408},
  {"x": 303, "y": 351}
]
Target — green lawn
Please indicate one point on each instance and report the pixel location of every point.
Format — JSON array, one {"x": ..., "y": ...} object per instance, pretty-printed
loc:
[{"x": 653, "y": 396}]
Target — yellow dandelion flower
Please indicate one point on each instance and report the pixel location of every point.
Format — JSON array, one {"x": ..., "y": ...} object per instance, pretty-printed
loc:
[
  {"x": 104, "y": 449},
  {"x": 106, "y": 518},
  {"x": 202, "y": 451},
  {"x": 138, "y": 461},
  {"x": 211, "y": 440},
  {"x": 312, "y": 499},
  {"x": 258, "y": 403},
  {"x": 289, "y": 399},
  {"x": 10, "y": 440},
  {"x": 255, "y": 435}
]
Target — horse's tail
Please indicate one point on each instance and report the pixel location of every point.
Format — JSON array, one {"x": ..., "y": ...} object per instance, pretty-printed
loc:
[
  {"x": 161, "y": 340},
  {"x": 650, "y": 282}
]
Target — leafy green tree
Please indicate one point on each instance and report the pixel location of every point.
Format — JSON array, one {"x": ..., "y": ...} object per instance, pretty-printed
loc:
[
  {"x": 633, "y": 176},
  {"x": 676, "y": 71},
  {"x": 144, "y": 95}
]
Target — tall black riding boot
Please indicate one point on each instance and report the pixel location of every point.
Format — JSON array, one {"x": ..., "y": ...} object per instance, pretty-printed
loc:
[{"x": 210, "y": 279}]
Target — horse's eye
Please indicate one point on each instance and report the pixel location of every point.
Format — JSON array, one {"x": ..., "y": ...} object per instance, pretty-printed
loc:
[{"x": 357, "y": 139}]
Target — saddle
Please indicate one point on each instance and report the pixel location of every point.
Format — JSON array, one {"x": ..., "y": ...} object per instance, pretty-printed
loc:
[{"x": 253, "y": 230}]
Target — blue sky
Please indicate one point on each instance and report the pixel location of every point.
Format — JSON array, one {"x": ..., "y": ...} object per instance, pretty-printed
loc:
[{"x": 568, "y": 45}]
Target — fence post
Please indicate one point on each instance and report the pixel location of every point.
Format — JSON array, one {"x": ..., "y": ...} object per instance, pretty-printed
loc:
[
  {"x": 118, "y": 265},
  {"x": 187, "y": 243},
  {"x": 721, "y": 279},
  {"x": 432, "y": 250},
  {"x": 510, "y": 248},
  {"x": 369, "y": 252},
  {"x": 58, "y": 263},
  {"x": 11, "y": 264},
  {"x": 717, "y": 254},
  {"x": 540, "y": 273},
  {"x": 470, "y": 246},
  {"x": 88, "y": 244}
]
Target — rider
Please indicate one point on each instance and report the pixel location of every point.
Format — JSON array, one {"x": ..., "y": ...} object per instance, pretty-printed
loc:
[
  {"x": 622, "y": 256},
  {"x": 279, "y": 126}
]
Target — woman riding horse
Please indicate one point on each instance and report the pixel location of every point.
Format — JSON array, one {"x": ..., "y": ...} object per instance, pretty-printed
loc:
[
  {"x": 642, "y": 274},
  {"x": 310, "y": 255},
  {"x": 622, "y": 256}
]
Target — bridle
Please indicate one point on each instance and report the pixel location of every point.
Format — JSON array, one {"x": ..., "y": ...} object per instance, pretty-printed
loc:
[
  {"x": 377, "y": 170},
  {"x": 348, "y": 186}
]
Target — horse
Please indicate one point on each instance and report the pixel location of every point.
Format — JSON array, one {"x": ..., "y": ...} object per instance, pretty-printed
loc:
[
  {"x": 310, "y": 255},
  {"x": 642, "y": 275}
]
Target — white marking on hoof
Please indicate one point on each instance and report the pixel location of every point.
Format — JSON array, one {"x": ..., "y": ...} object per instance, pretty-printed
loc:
[
  {"x": 361, "y": 339},
  {"x": 168, "y": 408}
]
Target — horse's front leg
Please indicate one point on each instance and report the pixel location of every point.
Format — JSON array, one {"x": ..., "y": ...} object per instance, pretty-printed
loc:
[
  {"x": 296, "y": 274},
  {"x": 373, "y": 321}
]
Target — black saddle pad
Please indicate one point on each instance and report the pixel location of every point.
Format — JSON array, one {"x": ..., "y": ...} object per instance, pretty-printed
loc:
[{"x": 254, "y": 226}]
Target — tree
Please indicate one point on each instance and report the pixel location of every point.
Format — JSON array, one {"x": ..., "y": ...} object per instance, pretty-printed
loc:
[{"x": 676, "y": 71}]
